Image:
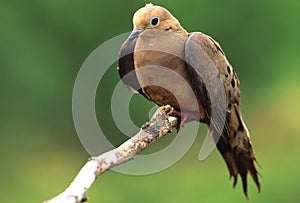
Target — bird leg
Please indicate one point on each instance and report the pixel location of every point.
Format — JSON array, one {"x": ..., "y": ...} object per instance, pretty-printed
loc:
[{"x": 183, "y": 117}]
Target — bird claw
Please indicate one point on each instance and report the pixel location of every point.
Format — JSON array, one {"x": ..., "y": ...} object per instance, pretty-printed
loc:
[
  {"x": 183, "y": 118},
  {"x": 182, "y": 122}
]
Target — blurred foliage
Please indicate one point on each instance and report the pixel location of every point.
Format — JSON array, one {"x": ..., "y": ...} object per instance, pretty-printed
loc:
[{"x": 42, "y": 46}]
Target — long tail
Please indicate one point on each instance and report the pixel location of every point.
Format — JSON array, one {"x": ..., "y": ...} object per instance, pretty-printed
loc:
[{"x": 236, "y": 149}]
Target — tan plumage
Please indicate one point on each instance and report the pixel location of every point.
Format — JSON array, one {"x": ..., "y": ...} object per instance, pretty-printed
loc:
[{"x": 158, "y": 40}]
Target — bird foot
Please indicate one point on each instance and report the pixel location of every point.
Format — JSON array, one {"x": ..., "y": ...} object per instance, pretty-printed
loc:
[{"x": 183, "y": 118}]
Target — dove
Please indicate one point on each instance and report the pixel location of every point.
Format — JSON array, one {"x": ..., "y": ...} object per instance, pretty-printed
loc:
[{"x": 190, "y": 72}]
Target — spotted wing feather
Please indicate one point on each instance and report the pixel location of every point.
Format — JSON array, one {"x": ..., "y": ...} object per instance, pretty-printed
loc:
[{"x": 216, "y": 85}]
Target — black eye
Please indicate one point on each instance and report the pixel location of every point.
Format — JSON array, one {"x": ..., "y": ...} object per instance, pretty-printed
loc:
[{"x": 154, "y": 21}]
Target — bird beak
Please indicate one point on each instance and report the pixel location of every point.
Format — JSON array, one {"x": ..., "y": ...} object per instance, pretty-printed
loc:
[
  {"x": 135, "y": 34},
  {"x": 138, "y": 31}
]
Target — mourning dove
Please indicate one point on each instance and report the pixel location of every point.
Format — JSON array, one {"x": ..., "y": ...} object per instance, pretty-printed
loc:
[{"x": 190, "y": 72}]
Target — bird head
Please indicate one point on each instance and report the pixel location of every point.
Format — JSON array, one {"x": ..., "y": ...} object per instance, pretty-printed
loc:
[{"x": 155, "y": 17}]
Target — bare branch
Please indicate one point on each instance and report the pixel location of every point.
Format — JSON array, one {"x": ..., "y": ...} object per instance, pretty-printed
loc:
[{"x": 159, "y": 125}]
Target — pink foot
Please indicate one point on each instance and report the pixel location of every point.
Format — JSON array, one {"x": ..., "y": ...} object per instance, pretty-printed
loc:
[{"x": 186, "y": 117}]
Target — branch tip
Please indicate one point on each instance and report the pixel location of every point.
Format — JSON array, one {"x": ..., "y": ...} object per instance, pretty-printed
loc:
[{"x": 159, "y": 125}]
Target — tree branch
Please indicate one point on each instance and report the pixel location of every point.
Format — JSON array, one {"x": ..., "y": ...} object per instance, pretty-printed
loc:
[{"x": 158, "y": 126}]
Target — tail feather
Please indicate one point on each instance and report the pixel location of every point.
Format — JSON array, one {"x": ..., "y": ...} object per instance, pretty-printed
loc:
[
  {"x": 236, "y": 149},
  {"x": 243, "y": 167},
  {"x": 246, "y": 163}
]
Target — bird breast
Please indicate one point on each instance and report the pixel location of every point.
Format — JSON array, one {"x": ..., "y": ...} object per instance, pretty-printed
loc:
[{"x": 161, "y": 69}]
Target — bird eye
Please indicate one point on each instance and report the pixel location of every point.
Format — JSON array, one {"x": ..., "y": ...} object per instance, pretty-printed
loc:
[{"x": 154, "y": 21}]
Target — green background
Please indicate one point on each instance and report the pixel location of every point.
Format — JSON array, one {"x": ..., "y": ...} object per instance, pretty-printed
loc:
[{"x": 42, "y": 47}]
